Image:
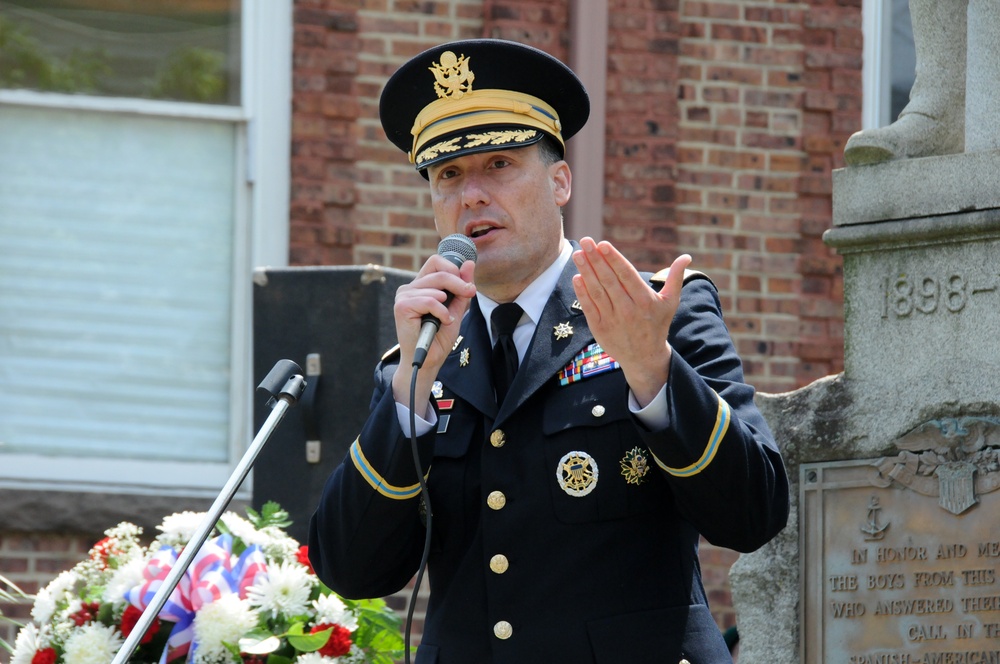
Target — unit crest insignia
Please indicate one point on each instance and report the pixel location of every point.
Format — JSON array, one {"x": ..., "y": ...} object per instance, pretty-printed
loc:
[
  {"x": 463, "y": 358},
  {"x": 563, "y": 331},
  {"x": 452, "y": 77},
  {"x": 577, "y": 474},
  {"x": 635, "y": 466}
]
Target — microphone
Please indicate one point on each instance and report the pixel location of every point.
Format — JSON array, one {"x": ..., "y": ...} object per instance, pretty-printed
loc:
[{"x": 456, "y": 249}]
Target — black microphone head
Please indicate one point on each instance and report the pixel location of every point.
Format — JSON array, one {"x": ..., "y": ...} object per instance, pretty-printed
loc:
[{"x": 457, "y": 248}]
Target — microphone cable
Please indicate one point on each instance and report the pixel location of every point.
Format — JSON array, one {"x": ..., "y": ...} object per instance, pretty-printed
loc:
[
  {"x": 457, "y": 249},
  {"x": 427, "y": 507}
]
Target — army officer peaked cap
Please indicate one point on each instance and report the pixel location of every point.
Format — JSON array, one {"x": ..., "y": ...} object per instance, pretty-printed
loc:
[{"x": 480, "y": 95}]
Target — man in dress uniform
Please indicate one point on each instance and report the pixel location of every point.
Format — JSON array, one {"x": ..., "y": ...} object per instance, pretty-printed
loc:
[{"x": 568, "y": 485}]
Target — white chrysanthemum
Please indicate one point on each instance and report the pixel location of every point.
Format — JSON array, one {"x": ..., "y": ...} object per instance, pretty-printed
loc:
[
  {"x": 240, "y": 528},
  {"x": 45, "y": 605},
  {"x": 226, "y": 620},
  {"x": 123, "y": 580},
  {"x": 273, "y": 541},
  {"x": 47, "y": 598},
  {"x": 29, "y": 641},
  {"x": 316, "y": 658},
  {"x": 177, "y": 529},
  {"x": 283, "y": 591},
  {"x": 331, "y": 610},
  {"x": 277, "y": 545},
  {"x": 93, "y": 643}
]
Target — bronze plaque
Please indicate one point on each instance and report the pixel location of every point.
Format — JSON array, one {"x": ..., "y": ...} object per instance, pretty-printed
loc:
[{"x": 899, "y": 561}]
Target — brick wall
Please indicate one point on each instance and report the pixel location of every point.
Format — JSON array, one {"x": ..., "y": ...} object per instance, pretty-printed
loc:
[
  {"x": 725, "y": 118},
  {"x": 32, "y": 560}
]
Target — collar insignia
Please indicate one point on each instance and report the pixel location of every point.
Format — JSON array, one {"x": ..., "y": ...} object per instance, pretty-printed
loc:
[
  {"x": 452, "y": 77},
  {"x": 463, "y": 358},
  {"x": 563, "y": 331}
]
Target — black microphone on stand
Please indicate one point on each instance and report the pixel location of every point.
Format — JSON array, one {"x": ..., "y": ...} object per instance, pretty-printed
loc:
[{"x": 456, "y": 249}]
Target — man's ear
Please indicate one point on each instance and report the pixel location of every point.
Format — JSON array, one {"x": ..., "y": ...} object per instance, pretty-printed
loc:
[{"x": 562, "y": 181}]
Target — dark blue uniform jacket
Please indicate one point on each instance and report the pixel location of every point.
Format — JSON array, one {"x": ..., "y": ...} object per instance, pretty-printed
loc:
[{"x": 549, "y": 542}]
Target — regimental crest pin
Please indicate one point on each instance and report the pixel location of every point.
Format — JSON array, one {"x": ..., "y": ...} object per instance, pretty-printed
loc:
[
  {"x": 577, "y": 474},
  {"x": 463, "y": 358},
  {"x": 437, "y": 389},
  {"x": 635, "y": 466}
]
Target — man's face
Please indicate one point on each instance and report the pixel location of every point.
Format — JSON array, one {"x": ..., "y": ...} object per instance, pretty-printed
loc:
[{"x": 508, "y": 202}]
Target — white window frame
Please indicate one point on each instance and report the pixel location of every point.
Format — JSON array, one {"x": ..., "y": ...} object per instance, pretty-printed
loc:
[
  {"x": 876, "y": 68},
  {"x": 876, "y": 26},
  {"x": 261, "y": 228}
]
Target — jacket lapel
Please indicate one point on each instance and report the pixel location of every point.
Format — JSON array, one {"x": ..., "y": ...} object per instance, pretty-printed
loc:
[
  {"x": 547, "y": 354},
  {"x": 472, "y": 381}
]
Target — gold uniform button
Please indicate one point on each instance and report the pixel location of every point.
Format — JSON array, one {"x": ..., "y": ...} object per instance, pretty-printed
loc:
[
  {"x": 503, "y": 630},
  {"x": 499, "y": 563},
  {"x": 498, "y": 438},
  {"x": 496, "y": 500}
]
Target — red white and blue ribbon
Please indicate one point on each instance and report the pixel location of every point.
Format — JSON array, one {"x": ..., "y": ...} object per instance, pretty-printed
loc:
[{"x": 211, "y": 575}]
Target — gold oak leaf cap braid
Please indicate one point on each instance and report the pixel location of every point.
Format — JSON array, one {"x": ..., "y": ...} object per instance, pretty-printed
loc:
[{"x": 480, "y": 95}]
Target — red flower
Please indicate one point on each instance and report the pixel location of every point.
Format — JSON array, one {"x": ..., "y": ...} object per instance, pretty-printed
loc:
[
  {"x": 303, "y": 557},
  {"x": 45, "y": 656},
  {"x": 103, "y": 550},
  {"x": 338, "y": 644},
  {"x": 131, "y": 618},
  {"x": 88, "y": 611}
]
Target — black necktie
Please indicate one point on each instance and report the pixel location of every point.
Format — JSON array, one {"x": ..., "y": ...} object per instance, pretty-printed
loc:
[{"x": 505, "y": 319}]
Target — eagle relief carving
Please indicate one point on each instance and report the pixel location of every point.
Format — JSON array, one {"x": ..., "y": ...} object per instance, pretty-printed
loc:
[{"x": 956, "y": 459}]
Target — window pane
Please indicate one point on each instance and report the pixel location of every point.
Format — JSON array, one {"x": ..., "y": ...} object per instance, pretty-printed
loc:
[
  {"x": 116, "y": 265},
  {"x": 902, "y": 58},
  {"x": 185, "y": 50}
]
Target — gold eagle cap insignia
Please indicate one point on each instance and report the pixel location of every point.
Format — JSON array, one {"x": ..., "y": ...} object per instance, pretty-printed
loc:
[{"x": 452, "y": 76}]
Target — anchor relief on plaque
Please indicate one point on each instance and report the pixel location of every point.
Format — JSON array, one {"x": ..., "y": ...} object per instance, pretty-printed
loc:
[{"x": 956, "y": 459}]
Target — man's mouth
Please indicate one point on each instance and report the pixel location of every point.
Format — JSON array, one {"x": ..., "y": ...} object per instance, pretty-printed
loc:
[{"x": 480, "y": 230}]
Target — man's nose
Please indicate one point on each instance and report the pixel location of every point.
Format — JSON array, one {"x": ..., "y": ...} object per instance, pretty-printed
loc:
[{"x": 474, "y": 192}]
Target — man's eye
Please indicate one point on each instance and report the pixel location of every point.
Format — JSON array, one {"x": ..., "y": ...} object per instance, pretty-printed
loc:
[
  {"x": 501, "y": 163},
  {"x": 448, "y": 174}
]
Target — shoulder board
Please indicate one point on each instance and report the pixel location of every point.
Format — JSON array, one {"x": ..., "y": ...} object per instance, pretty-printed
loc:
[
  {"x": 391, "y": 354},
  {"x": 660, "y": 277}
]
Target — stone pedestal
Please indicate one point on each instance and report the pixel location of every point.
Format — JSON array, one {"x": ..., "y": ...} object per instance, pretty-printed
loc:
[{"x": 917, "y": 402}]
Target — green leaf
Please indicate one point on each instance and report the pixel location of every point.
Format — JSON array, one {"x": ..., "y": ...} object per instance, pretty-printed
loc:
[
  {"x": 310, "y": 642},
  {"x": 278, "y": 659},
  {"x": 270, "y": 514}
]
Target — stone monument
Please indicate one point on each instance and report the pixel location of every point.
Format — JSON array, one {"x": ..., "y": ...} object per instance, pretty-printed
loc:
[{"x": 892, "y": 552}]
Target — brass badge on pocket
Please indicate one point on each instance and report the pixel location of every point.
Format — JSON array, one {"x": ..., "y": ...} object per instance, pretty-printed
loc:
[{"x": 577, "y": 474}]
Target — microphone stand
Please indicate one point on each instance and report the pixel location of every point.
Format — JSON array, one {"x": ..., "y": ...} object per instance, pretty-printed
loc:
[{"x": 285, "y": 384}]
